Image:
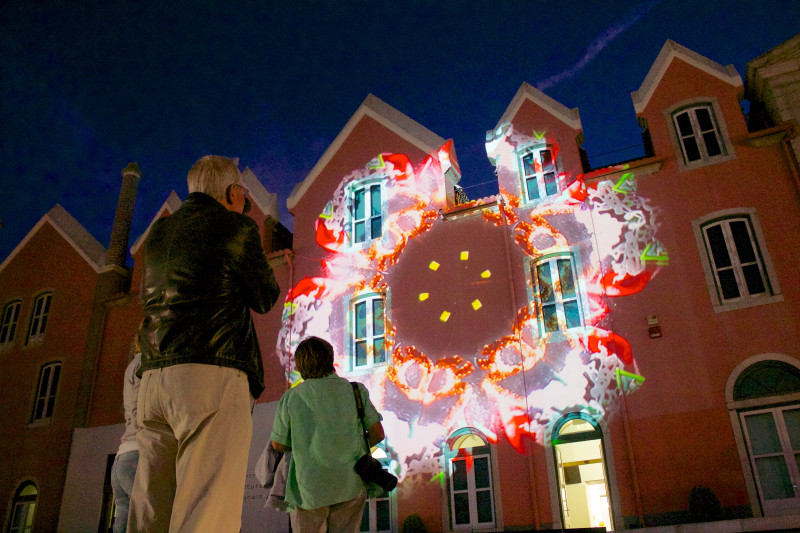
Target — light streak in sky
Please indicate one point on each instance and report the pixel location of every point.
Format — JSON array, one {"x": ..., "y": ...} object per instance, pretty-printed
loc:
[{"x": 598, "y": 44}]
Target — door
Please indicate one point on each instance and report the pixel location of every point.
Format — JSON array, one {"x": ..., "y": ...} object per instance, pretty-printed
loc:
[
  {"x": 583, "y": 486},
  {"x": 773, "y": 444}
]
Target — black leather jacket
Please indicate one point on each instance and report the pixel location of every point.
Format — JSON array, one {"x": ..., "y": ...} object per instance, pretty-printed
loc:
[{"x": 204, "y": 269}]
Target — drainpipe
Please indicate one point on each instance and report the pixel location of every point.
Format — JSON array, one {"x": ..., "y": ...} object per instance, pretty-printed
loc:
[
  {"x": 637, "y": 494},
  {"x": 290, "y": 262},
  {"x": 511, "y": 287},
  {"x": 634, "y": 473}
]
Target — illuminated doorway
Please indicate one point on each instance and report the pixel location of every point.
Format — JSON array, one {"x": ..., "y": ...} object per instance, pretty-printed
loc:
[{"x": 581, "y": 468}]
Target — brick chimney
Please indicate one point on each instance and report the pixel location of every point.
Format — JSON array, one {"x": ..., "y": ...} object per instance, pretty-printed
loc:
[
  {"x": 113, "y": 285},
  {"x": 118, "y": 246}
]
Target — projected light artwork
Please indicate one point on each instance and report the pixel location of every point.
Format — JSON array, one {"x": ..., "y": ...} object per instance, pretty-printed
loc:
[{"x": 492, "y": 315}]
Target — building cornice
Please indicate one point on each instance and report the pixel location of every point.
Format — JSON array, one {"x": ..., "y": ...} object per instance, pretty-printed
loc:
[
  {"x": 73, "y": 233},
  {"x": 389, "y": 117},
  {"x": 570, "y": 117},
  {"x": 668, "y": 53}
]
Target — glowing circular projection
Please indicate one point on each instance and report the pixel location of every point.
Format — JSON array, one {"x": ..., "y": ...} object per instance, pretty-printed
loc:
[{"x": 520, "y": 379}]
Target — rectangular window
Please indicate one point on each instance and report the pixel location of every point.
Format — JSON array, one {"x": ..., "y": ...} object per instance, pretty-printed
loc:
[
  {"x": 366, "y": 213},
  {"x": 698, "y": 133},
  {"x": 738, "y": 269},
  {"x": 735, "y": 259},
  {"x": 773, "y": 441},
  {"x": 8, "y": 326},
  {"x": 377, "y": 516},
  {"x": 41, "y": 310},
  {"x": 46, "y": 392},
  {"x": 557, "y": 295},
  {"x": 539, "y": 174},
  {"x": 368, "y": 332}
]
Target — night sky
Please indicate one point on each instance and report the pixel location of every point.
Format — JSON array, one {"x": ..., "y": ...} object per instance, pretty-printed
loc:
[{"x": 86, "y": 87}]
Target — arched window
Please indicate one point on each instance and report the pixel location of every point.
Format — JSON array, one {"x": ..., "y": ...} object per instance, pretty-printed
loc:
[
  {"x": 582, "y": 474},
  {"x": 765, "y": 410},
  {"x": 23, "y": 508},
  {"x": 471, "y": 483},
  {"x": 766, "y": 378}
]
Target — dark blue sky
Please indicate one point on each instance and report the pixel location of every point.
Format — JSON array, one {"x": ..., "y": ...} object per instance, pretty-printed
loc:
[{"x": 86, "y": 87}]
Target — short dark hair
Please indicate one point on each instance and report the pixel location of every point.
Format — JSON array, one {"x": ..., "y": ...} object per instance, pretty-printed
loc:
[{"x": 314, "y": 358}]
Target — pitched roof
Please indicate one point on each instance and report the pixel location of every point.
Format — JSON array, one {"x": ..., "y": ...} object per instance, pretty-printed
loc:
[
  {"x": 72, "y": 231},
  {"x": 375, "y": 108},
  {"x": 782, "y": 59},
  {"x": 172, "y": 203},
  {"x": 670, "y": 51},
  {"x": 266, "y": 201},
  {"x": 570, "y": 117}
]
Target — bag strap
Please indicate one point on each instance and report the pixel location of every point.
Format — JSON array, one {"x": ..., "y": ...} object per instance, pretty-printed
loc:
[{"x": 360, "y": 409}]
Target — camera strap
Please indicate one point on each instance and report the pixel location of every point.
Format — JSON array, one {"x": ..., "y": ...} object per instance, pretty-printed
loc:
[{"x": 360, "y": 409}]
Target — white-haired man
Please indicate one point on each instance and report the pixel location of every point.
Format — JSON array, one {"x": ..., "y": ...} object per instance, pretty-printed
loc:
[{"x": 201, "y": 370}]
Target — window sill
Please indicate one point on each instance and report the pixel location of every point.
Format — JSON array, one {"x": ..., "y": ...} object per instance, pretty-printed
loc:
[
  {"x": 704, "y": 162},
  {"x": 749, "y": 302},
  {"x": 562, "y": 335},
  {"x": 42, "y": 422},
  {"x": 538, "y": 202},
  {"x": 367, "y": 370}
]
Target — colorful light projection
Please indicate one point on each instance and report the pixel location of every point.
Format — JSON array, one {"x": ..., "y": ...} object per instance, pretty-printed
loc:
[{"x": 517, "y": 385}]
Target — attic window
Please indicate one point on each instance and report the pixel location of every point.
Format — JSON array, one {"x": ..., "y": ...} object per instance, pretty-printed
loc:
[
  {"x": 366, "y": 212},
  {"x": 699, "y": 133},
  {"x": 539, "y": 174}
]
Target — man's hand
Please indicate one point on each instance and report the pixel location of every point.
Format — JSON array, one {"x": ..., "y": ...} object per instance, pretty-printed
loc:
[
  {"x": 375, "y": 433},
  {"x": 280, "y": 447}
]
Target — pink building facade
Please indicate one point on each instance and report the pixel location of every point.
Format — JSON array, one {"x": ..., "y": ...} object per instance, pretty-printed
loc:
[{"x": 581, "y": 350}]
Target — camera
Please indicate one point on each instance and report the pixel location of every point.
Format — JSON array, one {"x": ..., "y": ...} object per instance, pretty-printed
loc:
[{"x": 371, "y": 471}]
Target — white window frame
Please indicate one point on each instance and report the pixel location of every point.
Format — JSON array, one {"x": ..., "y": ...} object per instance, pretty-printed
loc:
[
  {"x": 539, "y": 173},
  {"x": 736, "y": 407},
  {"x": 719, "y": 129},
  {"x": 610, "y": 468},
  {"x": 369, "y": 336},
  {"x": 369, "y": 216},
  {"x": 455, "y": 452},
  {"x": 26, "y": 505},
  {"x": 46, "y": 391},
  {"x": 39, "y": 315},
  {"x": 772, "y": 292},
  {"x": 8, "y": 322},
  {"x": 379, "y": 453},
  {"x": 558, "y": 301}
]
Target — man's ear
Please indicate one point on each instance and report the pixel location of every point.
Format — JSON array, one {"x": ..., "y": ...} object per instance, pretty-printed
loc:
[{"x": 228, "y": 196}]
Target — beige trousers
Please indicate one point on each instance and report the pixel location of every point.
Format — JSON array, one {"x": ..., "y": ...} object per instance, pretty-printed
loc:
[
  {"x": 342, "y": 517},
  {"x": 195, "y": 425}
]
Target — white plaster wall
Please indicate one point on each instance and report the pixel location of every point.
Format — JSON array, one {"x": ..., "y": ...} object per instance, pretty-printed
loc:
[
  {"x": 82, "y": 501},
  {"x": 81, "y": 504}
]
